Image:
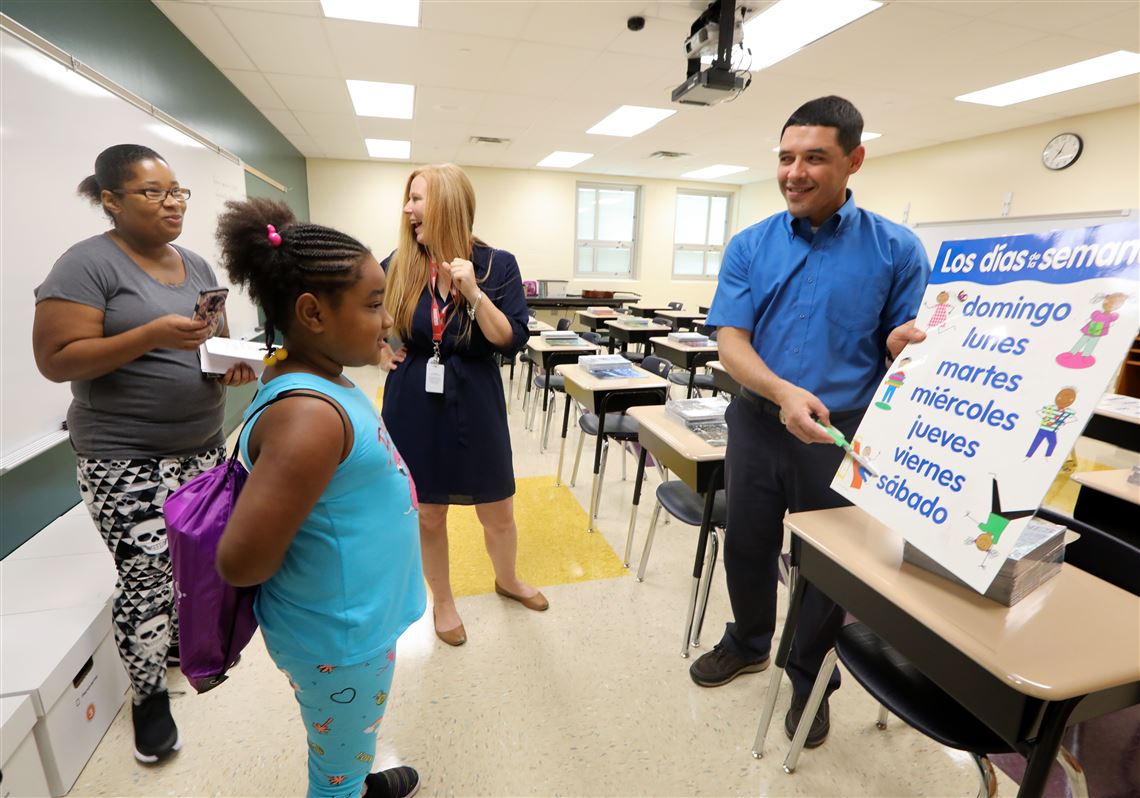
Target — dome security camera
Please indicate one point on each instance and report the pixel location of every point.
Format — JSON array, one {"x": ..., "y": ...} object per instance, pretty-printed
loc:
[{"x": 635, "y": 23}]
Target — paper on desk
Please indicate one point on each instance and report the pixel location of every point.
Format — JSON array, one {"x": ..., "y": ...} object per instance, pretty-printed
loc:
[
  {"x": 970, "y": 427},
  {"x": 217, "y": 355}
]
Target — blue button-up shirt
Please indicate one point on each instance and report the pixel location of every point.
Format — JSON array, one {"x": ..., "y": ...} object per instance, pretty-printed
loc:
[{"x": 820, "y": 305}]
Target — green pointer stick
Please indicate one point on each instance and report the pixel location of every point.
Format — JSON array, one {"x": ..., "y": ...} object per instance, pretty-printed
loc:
[{"x": 842, "y": 443}]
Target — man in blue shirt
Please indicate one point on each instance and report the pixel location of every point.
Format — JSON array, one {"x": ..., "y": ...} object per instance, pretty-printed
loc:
[{"x": 810, "y": 303}]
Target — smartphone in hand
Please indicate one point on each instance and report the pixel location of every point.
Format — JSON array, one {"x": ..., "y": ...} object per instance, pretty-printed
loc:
[{"x": 211, "y": 307}]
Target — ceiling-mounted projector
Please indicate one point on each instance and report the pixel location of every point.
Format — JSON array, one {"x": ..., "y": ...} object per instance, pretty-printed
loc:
[{"x": 714, "y": 32}]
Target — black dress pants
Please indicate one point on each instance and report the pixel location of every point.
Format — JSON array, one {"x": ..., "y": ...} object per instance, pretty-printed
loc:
[{"x": 769, "y": 471}]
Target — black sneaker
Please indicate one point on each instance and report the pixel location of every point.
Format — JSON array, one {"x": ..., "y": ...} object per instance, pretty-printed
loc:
[
  {"x": 401, "y": 782},
  {"x": 156, "y": 735},
  {"x": 820, "y": 725},
  {"x": 173, "y": 659},
  {"x": 721, "y": 666}
]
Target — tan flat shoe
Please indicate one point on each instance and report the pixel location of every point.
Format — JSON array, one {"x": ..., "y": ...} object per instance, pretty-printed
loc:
[
  {"x": 453, "y": 637},
  {"x": 537, "y": 602}
]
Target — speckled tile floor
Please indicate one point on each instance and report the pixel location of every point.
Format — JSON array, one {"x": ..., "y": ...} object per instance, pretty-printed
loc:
[{"x": 588, "y": 699}]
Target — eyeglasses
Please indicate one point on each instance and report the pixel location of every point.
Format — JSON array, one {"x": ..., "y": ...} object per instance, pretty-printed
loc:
[{"x": 158, "y": 194}]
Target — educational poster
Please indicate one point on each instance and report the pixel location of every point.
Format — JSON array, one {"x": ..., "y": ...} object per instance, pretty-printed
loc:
[{"x": 969, "y": 428}]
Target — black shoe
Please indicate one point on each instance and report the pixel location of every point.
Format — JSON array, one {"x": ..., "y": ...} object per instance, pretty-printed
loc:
[
  {"x": 173, "y": 659},
  {"x": 820, "y": 725},
  {"x": 720, "y": 666},
  {"x": 401, "y": 782},
  {"x": 155, "y": 733}
]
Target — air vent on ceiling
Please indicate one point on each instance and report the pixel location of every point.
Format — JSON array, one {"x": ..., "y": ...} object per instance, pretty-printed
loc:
[
  {"x": 488, "y": 140},
  {"x": 661, "y": 154}
]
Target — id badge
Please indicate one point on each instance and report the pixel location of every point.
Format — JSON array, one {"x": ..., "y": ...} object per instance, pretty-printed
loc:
[{"x": 434, "y": 381}]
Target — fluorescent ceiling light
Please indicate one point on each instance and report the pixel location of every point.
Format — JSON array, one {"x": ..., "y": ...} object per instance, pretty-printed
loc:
[
  {"x": 563, "y": 160},
  {"x": 629, "y": 120},
  {"x": 391, "y": 100},
  {"x": 1055, "y": 81},
  {"x": 713, "y": 172},
  {"x": 790, "y": 25},
  {"x": 387, "y": 12},
  {"x": 389, "y": 148},
  {"x": 867, "y": 136}
]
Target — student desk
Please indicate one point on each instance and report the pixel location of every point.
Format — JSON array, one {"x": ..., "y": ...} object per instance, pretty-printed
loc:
[
  {"x": 1116, "y": 421},
  {"x": 565, "y": 301},
  {"x": 1067, "y": 652},
  {"x": 535, "y": 327},
  {"x": 593, "y": 393},
  {"x": 646, "y": 311},
  {"x": 595, "y": 320},
  {"x": 696, "y": 463},
  {"x": 723, "y": 381},
  {"x": 625, "y": 333},
  {"x": 684, "y": 356},
  {"x": 1107, "y": 501},
  {"x": 681, "y": 319},
  {"x": 547, "y": 356}
]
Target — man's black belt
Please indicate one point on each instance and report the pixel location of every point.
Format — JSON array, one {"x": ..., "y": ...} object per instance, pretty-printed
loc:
[{"x": 766, "y": 406}]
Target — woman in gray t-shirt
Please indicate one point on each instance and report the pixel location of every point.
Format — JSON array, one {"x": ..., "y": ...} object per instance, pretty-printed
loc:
[{"x": 113, "y": 318}]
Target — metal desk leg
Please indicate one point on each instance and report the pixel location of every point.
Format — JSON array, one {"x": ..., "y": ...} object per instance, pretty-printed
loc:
[
  {"x": 529, "y": 384},
  {"x": 636, "y": 500},
  {"x": 692, "y": 382},
  {"x": 698, "y": 569},
  {"x": 594, "y": 485},
  {"x": 782, "y": 654},
  {"x": 1045, "y": 747},
  {"x": 562, "y": 446}
]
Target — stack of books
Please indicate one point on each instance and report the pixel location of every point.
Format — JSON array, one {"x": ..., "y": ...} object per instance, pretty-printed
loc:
[
  {"x": 704, "y": 417},
  {"x": 601, "y": 311},
  {"x": 689, "y": 338},
  {"x": 607, "y": 366},
  {"x": 636, "y": 321},
  {"x": 1035, "y": 560},
  {"x": 561, "y": 337}
]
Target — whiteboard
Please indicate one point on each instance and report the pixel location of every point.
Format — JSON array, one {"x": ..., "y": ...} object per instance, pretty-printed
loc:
[
  {"x": 932, "y": 234},
  {"x": 54, "y": 122}
]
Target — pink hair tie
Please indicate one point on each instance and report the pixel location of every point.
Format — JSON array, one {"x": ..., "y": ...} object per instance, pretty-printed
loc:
[{"x": 274, "y": 236}]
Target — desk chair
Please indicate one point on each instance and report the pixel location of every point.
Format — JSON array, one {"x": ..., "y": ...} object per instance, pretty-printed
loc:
[
  {"x": 588, "y": 422},
  {"x": 557, "y": 385},
  {"x": 701, "y": 382},
  {"x": 904, "y": 690},
  {"x": 562, "y": 324},
  {"x": 613, "y": 423},
  {"x": 676, "y": 305}
]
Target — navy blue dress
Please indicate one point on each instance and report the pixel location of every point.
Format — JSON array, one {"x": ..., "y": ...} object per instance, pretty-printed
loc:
[{"x": 456, "y": 444}]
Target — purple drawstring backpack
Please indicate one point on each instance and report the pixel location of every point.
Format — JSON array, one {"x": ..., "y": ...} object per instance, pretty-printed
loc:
[{"x": 215, "y": 619}]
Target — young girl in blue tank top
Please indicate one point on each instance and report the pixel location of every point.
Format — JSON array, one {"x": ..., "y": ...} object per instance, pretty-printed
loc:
[{"x": 327, "y": 523}]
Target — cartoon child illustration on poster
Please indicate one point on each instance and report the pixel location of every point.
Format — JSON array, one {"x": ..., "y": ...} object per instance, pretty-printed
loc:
[
  {"x": 941, "y": 314},
  {"x": 993, "y": 527},
  {"x": 1097, "y": 327},
  {"x": 1053, "y": 417},
  {"x": 893, "y": 382}
]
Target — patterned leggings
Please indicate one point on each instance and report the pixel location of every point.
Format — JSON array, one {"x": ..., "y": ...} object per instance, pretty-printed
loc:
[
  {"x": 125, "y": 498},
  {"x": 342, "y": 707}
]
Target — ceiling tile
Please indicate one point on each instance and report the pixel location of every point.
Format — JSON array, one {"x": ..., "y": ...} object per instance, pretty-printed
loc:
[
  {"x": 255, "y": 87},
  {"x": 201, "y": 26},
  {"x": 290, "y": 45},
  {"x": 301, "y": 93}
]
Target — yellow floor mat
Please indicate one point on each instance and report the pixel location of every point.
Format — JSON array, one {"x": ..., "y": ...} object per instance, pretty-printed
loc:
[{"x": 554, "y": 546}]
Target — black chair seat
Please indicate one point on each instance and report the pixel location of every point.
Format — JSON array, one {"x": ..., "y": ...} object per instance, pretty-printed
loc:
[
  {"x": 618, "y": 425},
  {"x": 679, "y": 377},
  {"x": 634, "y": 357},
  {"x": 910, "y": 695},
  {"x": 704, "y": 382},
  {"x": 557, "y": 381},
  {"x": 688, "y": 506}
]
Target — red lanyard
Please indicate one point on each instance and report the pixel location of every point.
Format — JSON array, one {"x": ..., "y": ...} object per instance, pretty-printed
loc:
[{"x": 439, "y": 316}]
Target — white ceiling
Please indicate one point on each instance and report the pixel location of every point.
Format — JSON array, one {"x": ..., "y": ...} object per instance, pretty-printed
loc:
[{"x": 541, "y": 73}]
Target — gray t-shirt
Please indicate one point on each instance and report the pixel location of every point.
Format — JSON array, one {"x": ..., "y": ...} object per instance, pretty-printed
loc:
[{"x": 159, "y": 404}]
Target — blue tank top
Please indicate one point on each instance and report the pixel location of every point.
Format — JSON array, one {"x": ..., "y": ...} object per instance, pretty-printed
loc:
[{"x": 352, "y": 580}]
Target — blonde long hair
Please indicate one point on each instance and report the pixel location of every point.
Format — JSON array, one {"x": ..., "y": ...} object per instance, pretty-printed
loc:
[{"x": 449, "y": 216}]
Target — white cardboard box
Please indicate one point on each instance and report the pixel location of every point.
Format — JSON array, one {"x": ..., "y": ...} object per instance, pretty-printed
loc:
[
  {"x": 65, "y": 661},
  {"x": 19, "y": 755},
  {"x": 218, "y": 355}
]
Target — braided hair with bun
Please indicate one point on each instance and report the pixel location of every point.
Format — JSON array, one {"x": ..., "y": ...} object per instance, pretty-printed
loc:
[{"x": 301, "y": 258}]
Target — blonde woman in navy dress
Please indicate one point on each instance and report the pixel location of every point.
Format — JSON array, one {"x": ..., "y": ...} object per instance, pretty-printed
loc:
[{"x": 456, "y": 302}]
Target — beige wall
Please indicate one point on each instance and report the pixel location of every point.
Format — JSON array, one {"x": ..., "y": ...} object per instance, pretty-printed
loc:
[
  {"x": 970, "y": 179},
  {"x": 531, "y": 212}
]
